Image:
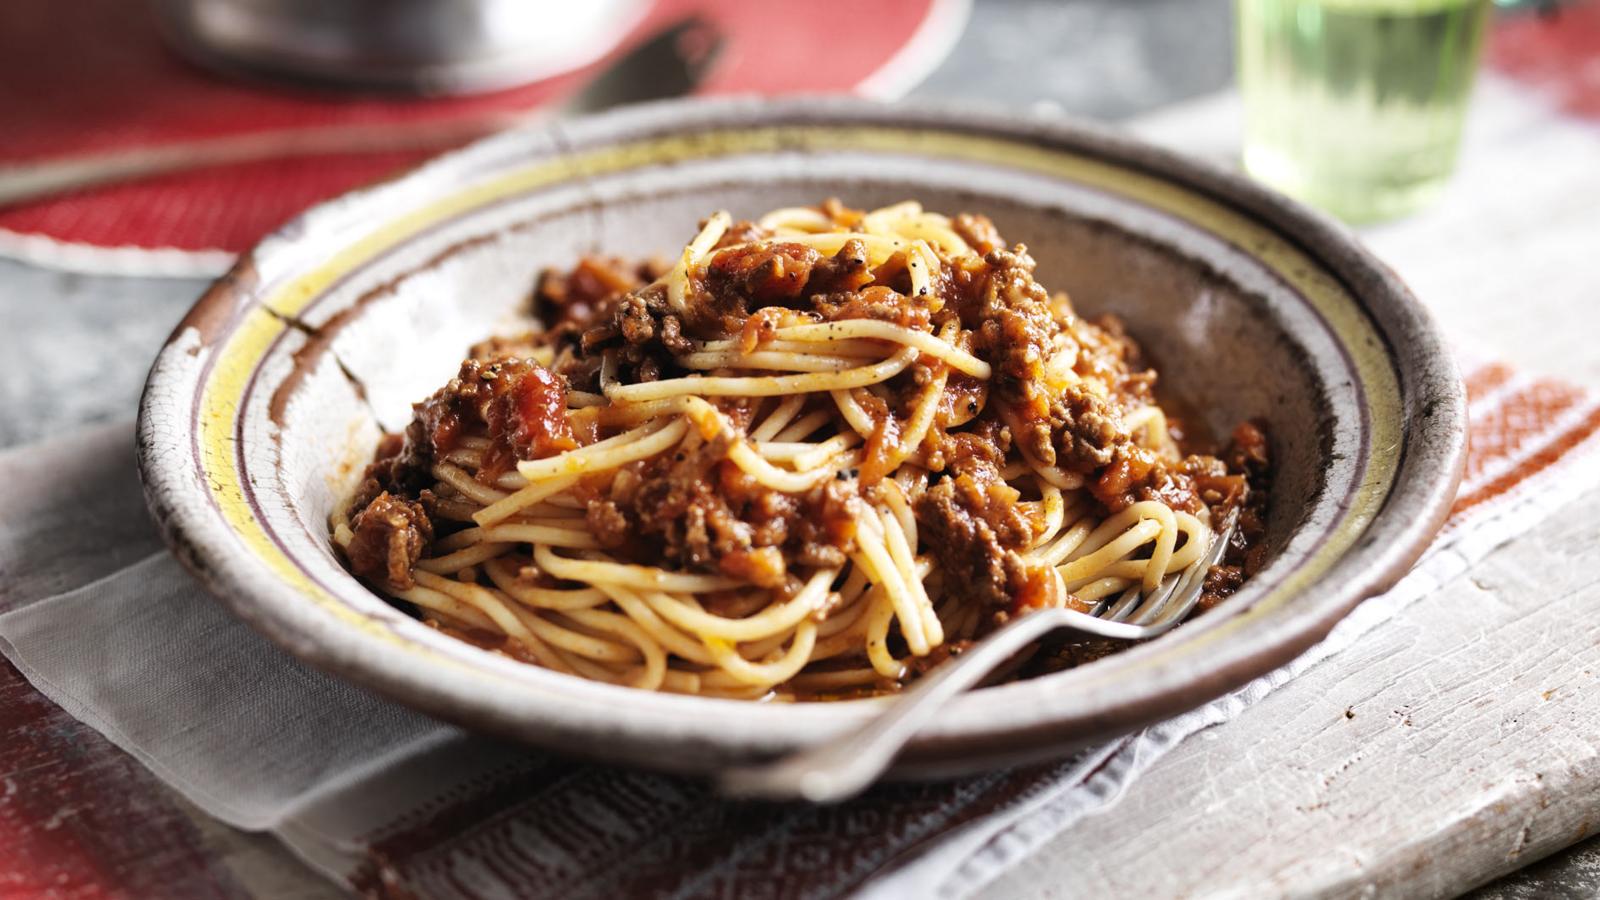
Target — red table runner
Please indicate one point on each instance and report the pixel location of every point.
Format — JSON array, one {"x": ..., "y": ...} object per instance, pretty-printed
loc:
[{"x": 91, "y": 76}]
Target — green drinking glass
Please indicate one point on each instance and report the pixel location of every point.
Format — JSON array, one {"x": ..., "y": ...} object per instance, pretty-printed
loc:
[{"x": 1356, "y": 106}]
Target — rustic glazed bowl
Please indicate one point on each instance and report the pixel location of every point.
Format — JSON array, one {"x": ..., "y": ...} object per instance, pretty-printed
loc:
[{"x": 270, "y": 396}]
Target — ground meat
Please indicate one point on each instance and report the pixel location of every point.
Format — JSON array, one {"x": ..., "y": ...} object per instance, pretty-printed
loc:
[
  {"x": 979, "y": 233},
  {"x": 1221, "y": 581},
  {"x": 1131, "y": 471},
  {"x": 607, "y": 524},
  {"x": 640, "y": 332},
  {"x": 971, "y": 523},
  {"x": 519, "y": 405},
  {"x": 1109, "y": 356},
  {"x": 1213, "y": 483},
  {"x": 966, "y": 548},
  {"x": 842, "y": 273},
  {"x": 696, "y": 511},
  {"x": 634, "y": 320},
  {"x": 824, "y": 529},
  {"x": 1247, "y": 451},
  {"x": 985, "y": 440},
  {"x": 391, "y": 534},
  {"x": 1075, "y": 425},
  {"x": 759, "y": 275},
  {"x": 876, "y": 302},
  {"x": 1015, "y": 330},
  {"x": 741, "y": 232},
  {"x": 392, "y": 469},
  {"x": 1248, "y": 455},
  {"x": 574, "y": 296},
  {"x": 644, "y": 322},
  {"x": 740, "y": 280},
  {"x": 643, "y": 335},
  {"x": 1137, "y": 474},
  {"x": 1080, "y": 434},
  {"x": 1084, "y": 429}
]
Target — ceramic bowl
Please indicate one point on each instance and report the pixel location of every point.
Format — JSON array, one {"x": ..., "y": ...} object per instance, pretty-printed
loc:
[{"x": 263, "y": 407}]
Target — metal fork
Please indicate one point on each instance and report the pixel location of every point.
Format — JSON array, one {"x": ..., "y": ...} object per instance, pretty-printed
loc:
[{"x": 842, "y": 767}]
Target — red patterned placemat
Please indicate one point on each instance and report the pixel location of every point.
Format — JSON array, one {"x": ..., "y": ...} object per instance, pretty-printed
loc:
[{"x": 93, "y": 76}]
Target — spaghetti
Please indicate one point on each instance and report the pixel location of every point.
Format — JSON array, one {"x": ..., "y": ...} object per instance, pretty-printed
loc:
[{"x": 814, "y": 455}]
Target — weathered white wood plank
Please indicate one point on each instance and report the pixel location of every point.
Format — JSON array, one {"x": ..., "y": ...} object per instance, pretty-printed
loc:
[{"x": 1455, "y": 743}]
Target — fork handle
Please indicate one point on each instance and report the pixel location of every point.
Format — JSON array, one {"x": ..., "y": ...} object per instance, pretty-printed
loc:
[{"x": 839, "y": 768}]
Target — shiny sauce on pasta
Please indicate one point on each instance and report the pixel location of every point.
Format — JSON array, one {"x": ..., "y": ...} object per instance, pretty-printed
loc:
[{"x": 810, "y": 457}]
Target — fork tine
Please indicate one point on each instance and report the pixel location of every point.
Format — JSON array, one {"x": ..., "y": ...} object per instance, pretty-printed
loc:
[
  {"x": 1157, "y": 601},
  {"x": 1191, "y": 583},
  {"x": 1122, "y": 607},
  {"x": 1194, "y": 580},
  {"x": 1177, "y": 594}
]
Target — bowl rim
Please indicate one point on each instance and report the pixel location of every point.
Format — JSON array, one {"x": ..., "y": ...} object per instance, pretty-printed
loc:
[{"x": 1429, "y": 468}]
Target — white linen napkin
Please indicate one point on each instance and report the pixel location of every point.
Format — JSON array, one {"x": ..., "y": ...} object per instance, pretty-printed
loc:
[{"x": 142, "y": 655}]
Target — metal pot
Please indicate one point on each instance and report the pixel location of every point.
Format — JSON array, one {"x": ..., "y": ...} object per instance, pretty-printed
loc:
[{"x": 419, "y": 46}]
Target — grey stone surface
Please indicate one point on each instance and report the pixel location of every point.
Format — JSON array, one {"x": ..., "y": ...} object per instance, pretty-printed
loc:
[
  {"x": 1104, "y": 58},
  {"x": 78, "y": 346},
  {"x": 1571, "y": 874}
]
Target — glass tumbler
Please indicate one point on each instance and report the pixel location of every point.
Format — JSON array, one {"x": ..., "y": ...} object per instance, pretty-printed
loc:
[{"x": 1356, "y": 106}]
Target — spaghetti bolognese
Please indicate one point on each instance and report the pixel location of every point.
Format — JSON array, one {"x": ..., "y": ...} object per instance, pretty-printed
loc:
[{"x": 810, "y": 456}]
